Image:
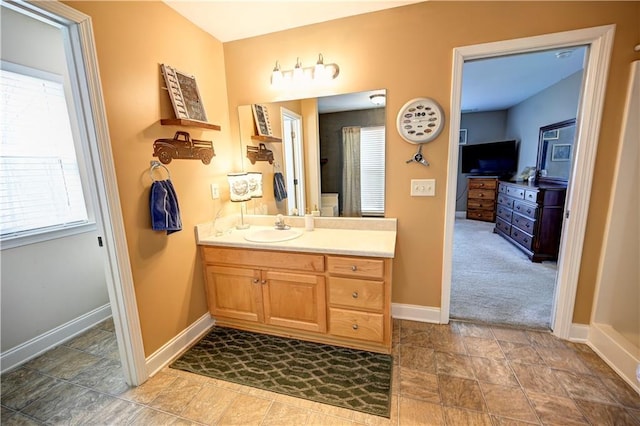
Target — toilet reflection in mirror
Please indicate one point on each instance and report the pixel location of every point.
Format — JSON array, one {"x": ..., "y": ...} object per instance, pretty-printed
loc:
[{"x": 329, "y": 150}]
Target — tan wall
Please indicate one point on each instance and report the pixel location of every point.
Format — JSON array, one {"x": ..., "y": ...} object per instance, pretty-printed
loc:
[
  {"x": 408, "y": 51},
  {"x": 132, "y": 39}
]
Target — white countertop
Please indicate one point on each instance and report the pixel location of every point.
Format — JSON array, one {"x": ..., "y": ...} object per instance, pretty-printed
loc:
[{"x": 354, "y": 242}]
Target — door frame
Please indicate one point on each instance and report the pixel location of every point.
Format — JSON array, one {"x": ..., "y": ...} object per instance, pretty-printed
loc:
[
  {"x": 600, "y": 43},
  {"x": 109, "y": 221},
  {"x": 294, "y": 163}
]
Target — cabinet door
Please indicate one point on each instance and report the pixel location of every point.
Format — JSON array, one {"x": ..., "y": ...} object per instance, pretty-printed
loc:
[
  {"x": 294, "y": 300},
  {"x": 234, "y": 293}
]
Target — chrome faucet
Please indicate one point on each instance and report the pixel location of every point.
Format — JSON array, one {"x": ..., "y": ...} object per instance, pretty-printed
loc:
[{"x": 280, "y": 223}]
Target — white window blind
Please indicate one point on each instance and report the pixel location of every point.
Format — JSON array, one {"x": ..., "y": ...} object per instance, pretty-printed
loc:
[
  {"x": 40, "y": 186},
  {"x": 372, "y": 143}
]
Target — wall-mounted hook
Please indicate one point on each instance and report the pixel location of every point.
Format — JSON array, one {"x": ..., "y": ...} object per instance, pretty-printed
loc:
[{"x": 418, "y": 157}]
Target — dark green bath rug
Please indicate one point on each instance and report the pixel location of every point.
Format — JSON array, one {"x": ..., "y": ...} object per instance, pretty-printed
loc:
[{"x": 348, "y": 378}]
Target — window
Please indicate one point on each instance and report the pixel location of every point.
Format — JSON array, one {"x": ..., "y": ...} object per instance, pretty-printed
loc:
[
  {"x": 372, "y": 143},
  {"x": 40, "y": 183}
]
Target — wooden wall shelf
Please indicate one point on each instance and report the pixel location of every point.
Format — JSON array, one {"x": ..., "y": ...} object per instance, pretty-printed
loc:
[
  {"x": 265, "y": 138},
  {"x": 188, "y": 123}
]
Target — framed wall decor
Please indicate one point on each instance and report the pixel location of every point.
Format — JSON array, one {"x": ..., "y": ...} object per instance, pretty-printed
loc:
[
  {"x": 561, "y": 152},
  {"x": 462, "y": 139},
  {"x": 261, "y": 119},
  {"x": 184, "y": 94}
]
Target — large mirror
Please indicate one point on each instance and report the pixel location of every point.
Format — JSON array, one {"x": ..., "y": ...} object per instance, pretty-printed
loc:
[
  {"x": 555, "y": 151},
  {"x": 328, "y": 154}
]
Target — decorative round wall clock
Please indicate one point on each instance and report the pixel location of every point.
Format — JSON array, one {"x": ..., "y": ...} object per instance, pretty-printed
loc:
[{"x": 420, "y": 120}]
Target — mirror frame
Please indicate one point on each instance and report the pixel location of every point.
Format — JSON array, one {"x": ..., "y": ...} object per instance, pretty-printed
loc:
[{"x": 542, "y": 151}]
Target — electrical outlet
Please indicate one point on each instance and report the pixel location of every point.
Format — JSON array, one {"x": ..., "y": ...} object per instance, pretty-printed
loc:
[
  {"x": 215, "y": 191},
  {"x": 423, "y": 187}
]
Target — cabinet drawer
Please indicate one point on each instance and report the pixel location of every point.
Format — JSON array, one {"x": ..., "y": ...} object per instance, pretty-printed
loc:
[
  {"x": 503, "y": 226},
  {"x": 505, "y": 201},
  {"x": 504, "y": 213},
  {"x": 487, "y": 215},
  {"x": 356, "y": 325},
  {"x": 524, "y": 223},
  {"x": 355, "y": 266},
  {"x": 362, "y": 294},
  {"x": 482, "y": 183},
  {"x": 521, "y": 237},
  {"x": 515, "y": 192},
  {"x": 263, "y": 259},
  {"x": 531, "y": 196},
  {"x": 525, "y": 209},
  {"x": 481, "y": 204},
  {"x": 488, "y": 194}
]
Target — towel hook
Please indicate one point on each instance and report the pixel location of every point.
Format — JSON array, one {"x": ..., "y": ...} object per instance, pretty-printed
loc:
[{"x": 155, "y": 165}]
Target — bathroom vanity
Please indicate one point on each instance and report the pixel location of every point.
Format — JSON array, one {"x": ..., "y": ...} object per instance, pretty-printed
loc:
[{"x": 329, "y": 285}]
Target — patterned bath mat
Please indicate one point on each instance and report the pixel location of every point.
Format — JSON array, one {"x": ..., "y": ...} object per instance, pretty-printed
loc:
[{"x": 348, "y": 378}]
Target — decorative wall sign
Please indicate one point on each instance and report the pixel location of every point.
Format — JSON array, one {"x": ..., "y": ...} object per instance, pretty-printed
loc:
[
  {"x": 261, "y": 118},
  {"x": 184, "y": 94},
  {"x": 420, "y": 120}
]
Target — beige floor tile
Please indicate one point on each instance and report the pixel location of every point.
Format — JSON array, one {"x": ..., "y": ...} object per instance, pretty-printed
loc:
[
  {"x": 296, "y": 402},
  {"x": 520, "y": 352},
  {"x": 448, "y": 342},
  {"x": 510, "y": 335},
  {"x": 417, "y": 358},
  {"x": 332, "y": 410},
  {"x": 552, "y": 409},
  {"x": 419, "y": 385},
  {"x": 175, "y": 398},
  {"x": 454, "y": 365},
  {"x": 605, "y": 414},
  {"x": 469, "y": 329},
  {"x": 26, "y": 386},
  {"x": 505, "y": 421},
  {"x": 415, "y": 412},
  {"x": 538, "y": 378},
  {"x": 280, "y": 414},
  {"x": 488, "y": 348},
  {"x": 545, "y": 339},
  {"x": 150, "y": 389},
  {"x": 457, "y": 416},
  {"x": 190, "y": 376},
  {"x": 497, "y": 371},
  {"x": 562, "y": 359},
  {"x": 506, "y": 401},
  {"x": 321, "y": 419},
  {"x": 208, "y": 405},
  {"x": 460, "y": 393},
  {"x": 245, "y": 410},
  {"x": 150, "y": 417},
  {"x": 582, "y": 386},
  {"x": 622, "y": 392}
]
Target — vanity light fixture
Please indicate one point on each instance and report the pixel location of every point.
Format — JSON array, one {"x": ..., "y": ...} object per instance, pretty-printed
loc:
[
  {"x": 378, "y": 98},
  {"x": 318, "y": 73}
]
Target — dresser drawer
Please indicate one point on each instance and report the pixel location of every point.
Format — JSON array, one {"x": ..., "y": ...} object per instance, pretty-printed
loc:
[
  {"x": 504, "y": 213},
  {"x": 515, "y": 192},
  {"x": 523, "y": 222},
  {"x": 483, "y": 183},
  {"x": 263, "y": 259},
  {"x": 355, "y": 293},
  {"x": 473, "y": 203},
  {"x": 356, "y": 325},
  {"x": 531, "y": 196},
  {"x": 488, "y": 194},
  {"x": 505, "y": 201},
  {"x": 503, "y": 226},
  {"x": 525, "y": 209},
  {"x": 478, "y": 214},
  {"x": 521, "y": 237},
  {"x": 355, "y": 267}
]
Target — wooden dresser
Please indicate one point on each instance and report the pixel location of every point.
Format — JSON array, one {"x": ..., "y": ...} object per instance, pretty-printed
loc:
[
  {"x": 481, "y": 198},
  {"x": 530, "y": 216}
]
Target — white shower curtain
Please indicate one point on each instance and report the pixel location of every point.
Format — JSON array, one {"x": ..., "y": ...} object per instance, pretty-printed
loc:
[{"x": 351, "y": 171}]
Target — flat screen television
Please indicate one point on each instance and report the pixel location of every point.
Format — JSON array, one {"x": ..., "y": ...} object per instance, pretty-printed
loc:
[{"x": 490, "y": 159}]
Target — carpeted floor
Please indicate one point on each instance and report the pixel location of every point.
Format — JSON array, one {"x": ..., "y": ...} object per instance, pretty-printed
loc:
[
  {"x": 348, "y": 378},
  {"x": 494, "y": 282}
]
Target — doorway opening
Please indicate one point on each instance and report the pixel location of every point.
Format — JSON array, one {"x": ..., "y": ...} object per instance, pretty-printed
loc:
[{"x": 293, "y": 151}]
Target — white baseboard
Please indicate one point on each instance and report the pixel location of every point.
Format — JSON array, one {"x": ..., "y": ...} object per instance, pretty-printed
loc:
[
  {"x": 174, "y": 347},
  {"x": 52, "y": 338},
  {"x": 415, "y": 313},
  {"x": 579, "y": 333},
  {"x": 616, "y": 351}
]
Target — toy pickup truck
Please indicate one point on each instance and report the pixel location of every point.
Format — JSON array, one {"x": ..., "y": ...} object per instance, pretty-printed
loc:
[{"x": 182, "y": 146}]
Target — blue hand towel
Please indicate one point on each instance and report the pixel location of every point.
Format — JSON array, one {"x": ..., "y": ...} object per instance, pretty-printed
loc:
[
  {"x": 165, "y": 212},
  {"x": 279, "y": 188}
]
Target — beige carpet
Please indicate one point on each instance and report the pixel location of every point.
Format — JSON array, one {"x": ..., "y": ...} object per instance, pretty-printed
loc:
[{"x": 494, "y": 282}]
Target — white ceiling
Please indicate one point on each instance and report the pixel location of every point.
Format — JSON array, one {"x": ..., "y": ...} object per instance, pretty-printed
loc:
[{"x": 488, "y": 84}]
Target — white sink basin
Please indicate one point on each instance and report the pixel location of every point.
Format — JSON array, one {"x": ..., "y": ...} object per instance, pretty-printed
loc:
[{"x": 272, "y": 235}]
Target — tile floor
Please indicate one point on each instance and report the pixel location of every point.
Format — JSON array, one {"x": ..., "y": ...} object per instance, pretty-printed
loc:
[{"x": 457, "y": 374}]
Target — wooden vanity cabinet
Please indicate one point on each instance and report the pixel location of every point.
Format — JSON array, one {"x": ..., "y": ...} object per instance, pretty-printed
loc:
[{"x": 340, "y": 300}]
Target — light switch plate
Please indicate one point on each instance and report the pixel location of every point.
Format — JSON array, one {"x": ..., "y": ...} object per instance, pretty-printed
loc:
[
  {"x": 215, "y": 191},
  {"x": 423, "y": 187}
]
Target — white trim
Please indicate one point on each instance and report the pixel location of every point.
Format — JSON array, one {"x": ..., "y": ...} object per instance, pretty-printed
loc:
[
  {"x": 616, "y": 351},
  {"x": 176, "y": 346},
  {"x": 600, "y": 41},
  {"x": 415, "y": 313},
  {"x": 579, "y": 333},
  {"x": 109, "y": 219},
  {"x": 25, "y": 239},
  {"x": 52, "y": 338}
]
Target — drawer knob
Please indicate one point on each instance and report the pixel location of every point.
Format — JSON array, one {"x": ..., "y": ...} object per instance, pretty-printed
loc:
[
  {"x": 263, "y": 282},
  {"x": 354, "y": 326},
  {"x": 480, "y": 195},
  {"x": 256, "y": 281},
  {"x": 354, "y": 294},
  {"x": 354, "y": 268}
]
